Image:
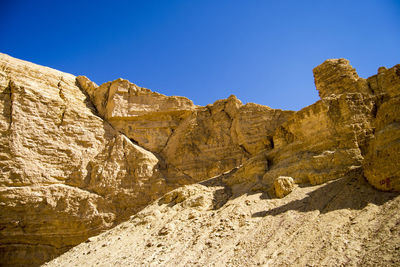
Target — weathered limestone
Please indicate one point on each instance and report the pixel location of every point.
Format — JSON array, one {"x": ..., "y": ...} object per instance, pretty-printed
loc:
[
  {"x": 193, "y": 142},
  {"x": 70, "y": 169},
  {"x": 222, "y": 136},
  {"x": 283, "y": 186},
  {"x": 381, "y": 165},
  {"x": 147, "y": 117},
  {"x": 329, "y": 138},
  {"x": 77, "y": 158},
  {"x": 323, "y": 141},
  {"x": 337, "y": 76},
  {"x": 65, "y": 174}
]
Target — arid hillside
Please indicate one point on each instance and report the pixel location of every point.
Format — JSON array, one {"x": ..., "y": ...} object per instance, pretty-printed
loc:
[{"x": 185, "y": 185}]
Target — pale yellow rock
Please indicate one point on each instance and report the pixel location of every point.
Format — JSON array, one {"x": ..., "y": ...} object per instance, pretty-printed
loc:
[
  {"x": 323, "y": 141},
  {"x": 53, "y": 140},
  {"x": 248, "y": 174},
  {"x": 344, "y": 222},
  {"x": 65, "y": 173},
  {"x": 381, "y": 165},
  {"x": 222, "y": 136},
  {"x": 147, "y": 117},
  {"x": 77, "y": 158},
  {"x": 193, "y": 142},
  {"x": 337, "y": 76},
  {"x": 254, "y": 125},
  {"x": 194, "y": 196},
  {"x": 386, "y": 81},
  {"x": 283, "y": 186}
]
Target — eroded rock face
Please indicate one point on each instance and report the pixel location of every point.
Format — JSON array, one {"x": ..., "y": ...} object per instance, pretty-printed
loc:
[
  {"x": 70, "y": 169},
  {"x": 337, "y": 76},
  {"x": 323, "y": 141},
  {"x": 77, "y": 158},
  {"x": 66, "y": 174},
  {"x": 381, "y": 165},
  {"x": 329, "y": 138},
  {"x": 147, "y": 117},
  {"x": 222, "y": 136},
  {"x": 193, "y": 142}
]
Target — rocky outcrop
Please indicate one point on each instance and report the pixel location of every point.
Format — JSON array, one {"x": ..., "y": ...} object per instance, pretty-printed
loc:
[
  {"x": 66, "y": 174},
  {"x": 147, "y": 117},
  {"x": 329, "y": 138},
  {"x": 337, "y": 76},
  {"x": 222, "y": 136},
  {"x": 77, "y": 158},
  {"x": 193, "y": 142},
  {"x": 381, "y": 165},
  {"x": 323, "y": 141},
  {"x": 353, "y": 130},
  {"x": 232, "y": 219}
]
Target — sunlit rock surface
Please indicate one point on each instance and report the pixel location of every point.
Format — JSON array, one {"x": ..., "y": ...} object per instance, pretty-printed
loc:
[{"x": 77, "y": 159}]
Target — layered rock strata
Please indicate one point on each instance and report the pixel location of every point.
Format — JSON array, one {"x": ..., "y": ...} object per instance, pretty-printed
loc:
[
  {"x": 381, "y": 165},
  {"x": 66, "y": 174},
  {"x": 331, "y": 138},
  {"x": 77, "y": 158},
  {"x": 193, "y": 142},
  {"x": 352, "y": 131}
]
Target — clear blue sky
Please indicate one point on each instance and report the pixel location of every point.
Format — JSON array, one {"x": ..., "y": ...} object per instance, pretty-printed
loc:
[{"x": 261, "y": 51}]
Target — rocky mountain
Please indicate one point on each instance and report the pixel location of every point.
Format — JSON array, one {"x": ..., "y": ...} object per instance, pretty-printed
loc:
[{"x": 225, "y": 184}]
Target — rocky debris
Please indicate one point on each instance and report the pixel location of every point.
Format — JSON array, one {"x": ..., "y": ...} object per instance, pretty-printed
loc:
[
  {"x": 283, "y": 186},
  {"x": 341, "y": 222},
  {"x": 168, "y": 228},
  {"x": 247, "y": 175},
  {"x": 195, "y": 196}
]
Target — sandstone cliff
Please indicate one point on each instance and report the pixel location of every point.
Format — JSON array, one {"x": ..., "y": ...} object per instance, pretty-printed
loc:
[
  {"x": 70, "y": 169},
  {"x": 193, "y": 142},
  {"x": 77, "y": 158}
]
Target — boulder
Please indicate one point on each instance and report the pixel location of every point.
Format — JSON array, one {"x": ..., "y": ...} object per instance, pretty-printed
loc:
[{"x": 283, "y": 186}]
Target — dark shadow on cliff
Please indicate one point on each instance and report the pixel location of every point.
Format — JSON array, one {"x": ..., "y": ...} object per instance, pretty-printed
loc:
[{"x": 344, "y": 193}]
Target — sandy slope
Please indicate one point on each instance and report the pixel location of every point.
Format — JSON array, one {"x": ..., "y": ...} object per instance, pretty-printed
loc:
[{"x": 341, "y": 223}]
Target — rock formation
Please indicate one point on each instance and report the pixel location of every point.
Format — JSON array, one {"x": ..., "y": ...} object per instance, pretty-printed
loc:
[
  {"x": 70, "y": 169},
  {"x": 381, "y": 165},
  {"x": 77, "y": 159},
  {"x": 193, "y": 142},
  {"x": 66, "y": 174},
  {"x": 327, "y": 139}
]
